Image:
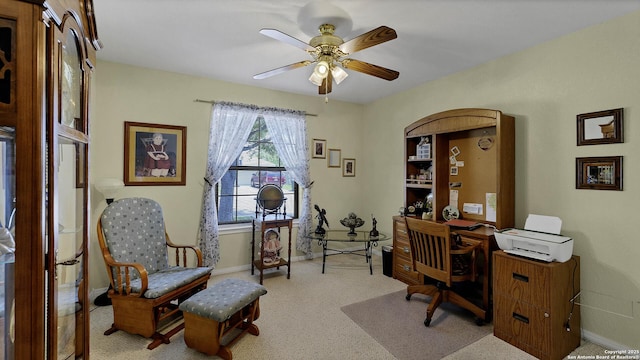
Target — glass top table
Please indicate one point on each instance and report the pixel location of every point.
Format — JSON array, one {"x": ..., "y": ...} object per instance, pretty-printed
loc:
[{"x": 343, "y": 236}]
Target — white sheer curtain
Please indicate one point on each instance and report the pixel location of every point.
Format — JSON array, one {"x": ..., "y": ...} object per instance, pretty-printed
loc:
[
  {"x": 230, "y": 127},
  {"x": 288, "y": 130}
]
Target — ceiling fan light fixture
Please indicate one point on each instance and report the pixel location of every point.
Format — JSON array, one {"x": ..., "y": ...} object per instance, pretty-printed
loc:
[
  {"x": 338, "y": 74},
  {"x": 320, "y": 72},
  {"x": 315, "y": 79},
  {"x": 322, "y": 69}
]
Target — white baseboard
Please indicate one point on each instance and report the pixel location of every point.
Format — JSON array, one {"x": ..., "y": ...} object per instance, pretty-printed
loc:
[{"x": 602, "y": 341}]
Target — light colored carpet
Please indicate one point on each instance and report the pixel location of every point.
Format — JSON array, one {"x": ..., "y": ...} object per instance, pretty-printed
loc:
[
  {"x": 300, "y": 319},
  {"x": 398, "y": 326}
]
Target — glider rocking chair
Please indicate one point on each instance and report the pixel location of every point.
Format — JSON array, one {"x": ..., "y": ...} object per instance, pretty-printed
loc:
[{"x": 144, "y": 288}]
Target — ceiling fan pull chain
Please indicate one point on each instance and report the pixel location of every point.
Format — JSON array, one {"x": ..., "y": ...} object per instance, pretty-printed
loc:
[{"x": 326, "y": 91}]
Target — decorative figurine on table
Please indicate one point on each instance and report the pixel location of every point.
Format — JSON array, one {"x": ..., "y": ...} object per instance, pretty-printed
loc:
[
  {"x": 374, "y": 232},
  {"x": 322, "y": 219},
  {"x": 352, "y": 221}
]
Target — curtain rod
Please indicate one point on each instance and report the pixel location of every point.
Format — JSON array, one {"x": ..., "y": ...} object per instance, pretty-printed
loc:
[{"x": 213, "y": 102}]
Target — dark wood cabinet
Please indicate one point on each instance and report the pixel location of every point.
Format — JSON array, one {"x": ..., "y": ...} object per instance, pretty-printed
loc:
[
  {"x": 535, "y": 304},
  {"x": 48, "y": 57}
]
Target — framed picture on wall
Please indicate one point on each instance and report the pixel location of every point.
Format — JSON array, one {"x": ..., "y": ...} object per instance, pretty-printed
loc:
[
  {"x": 319, "y": 147},
  {"x": 154, "y": 154},
  {"x": 348, "y": 167},
  {"x": 600, "y": 127},
  {"x": 334, "y": 158},
  {"x": 599, "y": 173}
]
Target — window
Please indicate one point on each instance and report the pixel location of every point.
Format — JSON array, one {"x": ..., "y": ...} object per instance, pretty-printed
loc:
[{"x": 257, "y": 165}]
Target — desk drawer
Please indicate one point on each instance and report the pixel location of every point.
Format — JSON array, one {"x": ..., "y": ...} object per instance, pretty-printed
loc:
[
  {"x": 522, "y": 280},
  {"x": 403, "y": 270}
]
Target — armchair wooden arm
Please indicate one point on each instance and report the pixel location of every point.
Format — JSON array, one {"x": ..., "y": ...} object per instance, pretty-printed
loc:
[
  {"x": 121, "y": 284},
  {"x": 196, "y": 250}
]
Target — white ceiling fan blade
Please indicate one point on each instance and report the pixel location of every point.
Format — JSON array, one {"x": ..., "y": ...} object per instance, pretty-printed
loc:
[
  {"x": 279, "y": 35},
  {"x": 281, "y": 69}
]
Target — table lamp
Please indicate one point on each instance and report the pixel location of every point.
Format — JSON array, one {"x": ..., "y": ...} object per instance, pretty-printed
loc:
[{"x": 109, "y": 188}]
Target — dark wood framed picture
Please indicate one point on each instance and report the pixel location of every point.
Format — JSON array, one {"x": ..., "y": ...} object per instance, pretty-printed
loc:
[
  {"x": 601, "y": 127},
  {"x": 154, "y": 154},
  {"x": 319, "y": 148},
  {"x": 348, "y": 167},
  {"x": 599, "y": 173}
]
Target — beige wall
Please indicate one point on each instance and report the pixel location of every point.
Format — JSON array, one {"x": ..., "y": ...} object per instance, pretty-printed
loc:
[
  {"x": 126, "y": 93},
  {"x": 544, "y": 88}
]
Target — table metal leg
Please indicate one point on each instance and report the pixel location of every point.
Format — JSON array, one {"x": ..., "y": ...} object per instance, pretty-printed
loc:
[
  {"x": 369, "y": 258},
  {"x": 324, "y": 254}
]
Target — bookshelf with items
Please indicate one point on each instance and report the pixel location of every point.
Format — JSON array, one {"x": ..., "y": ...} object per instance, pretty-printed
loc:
[
  {"x": 470, "y": 165},
  {"x": 418, "y": 174}
]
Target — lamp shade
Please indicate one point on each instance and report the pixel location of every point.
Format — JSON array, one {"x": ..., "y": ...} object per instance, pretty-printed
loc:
[
  {"x": 109, "y": 188},
  {"x": 338, "y": 74},
  {"x": 322, "y": 69}
]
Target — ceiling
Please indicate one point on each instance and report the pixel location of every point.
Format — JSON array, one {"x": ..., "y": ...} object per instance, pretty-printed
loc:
[{"x": 220, "y": 39}]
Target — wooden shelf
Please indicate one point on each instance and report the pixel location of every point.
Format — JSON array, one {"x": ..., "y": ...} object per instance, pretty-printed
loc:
[
  {"x": 420, "y": 186},
  {"x": 261, "y": 265}
]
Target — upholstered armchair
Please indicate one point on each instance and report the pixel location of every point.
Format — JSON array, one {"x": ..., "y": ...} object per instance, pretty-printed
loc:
[{"x": 144, "y": 287}]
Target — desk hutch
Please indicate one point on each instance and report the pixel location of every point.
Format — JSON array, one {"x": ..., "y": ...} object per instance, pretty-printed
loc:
[
  {"x": 471, "y": 160},
  {"x": 47, "y": 58}
]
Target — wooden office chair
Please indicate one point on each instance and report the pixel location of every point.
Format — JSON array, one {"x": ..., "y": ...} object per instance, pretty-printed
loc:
[{"x": 433, "y": 253}]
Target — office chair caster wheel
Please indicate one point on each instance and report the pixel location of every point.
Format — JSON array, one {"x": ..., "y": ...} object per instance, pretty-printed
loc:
[
  {"x": 427, "y": 322},
  {"x": 408, "y": 297},
  {"x": 479, "y": 321}
]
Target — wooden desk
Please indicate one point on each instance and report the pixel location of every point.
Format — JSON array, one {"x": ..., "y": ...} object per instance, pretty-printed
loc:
[
  {"x": 402, "y": 266},
  {"x": 489, "y": 245},
  {"x": 261, "y": 225}
]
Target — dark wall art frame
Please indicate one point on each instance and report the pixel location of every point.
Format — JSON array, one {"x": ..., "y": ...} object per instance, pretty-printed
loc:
[
  {"x": 600, "y": 127},
  {"x": 154, "y": 154},
  {"x": 599, "y": 173}
]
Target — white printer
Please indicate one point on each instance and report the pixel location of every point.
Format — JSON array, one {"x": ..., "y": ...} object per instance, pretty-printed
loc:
[{"x": 540, "y": 239}]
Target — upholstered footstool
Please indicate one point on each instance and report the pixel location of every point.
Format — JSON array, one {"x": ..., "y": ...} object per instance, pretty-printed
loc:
[{"x": 212, "y": 313}]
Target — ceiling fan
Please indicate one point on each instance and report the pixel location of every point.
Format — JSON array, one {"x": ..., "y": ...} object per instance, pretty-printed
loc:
[{"x": 330, "y": 54}]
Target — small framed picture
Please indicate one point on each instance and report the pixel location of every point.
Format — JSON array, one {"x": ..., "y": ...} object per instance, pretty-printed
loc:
[
  {"x": 319, "y": 147},
  {"x": 154, "y": 154},
  {"x": 453, "y": 170},
  {"x": 599, "y": 173},
  {"x": 601, "y": 127},
  {"x": 348, "y": 167},
  {"x": 334, "y": 158}
]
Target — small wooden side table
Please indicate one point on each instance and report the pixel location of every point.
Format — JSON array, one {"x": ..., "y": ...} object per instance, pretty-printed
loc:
[{"x": 261, "y": 225}]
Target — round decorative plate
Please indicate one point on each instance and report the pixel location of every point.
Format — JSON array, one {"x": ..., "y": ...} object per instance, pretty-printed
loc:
[{"x": 450, "y": 212}]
